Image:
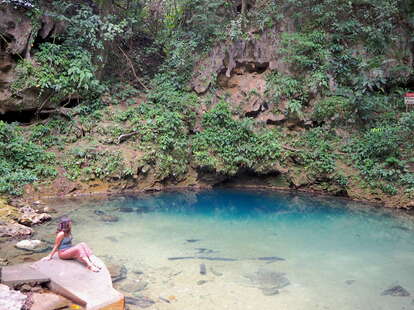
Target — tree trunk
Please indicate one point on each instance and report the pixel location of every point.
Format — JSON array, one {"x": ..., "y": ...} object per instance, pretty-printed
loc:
[{"x": 244, "y": 7}]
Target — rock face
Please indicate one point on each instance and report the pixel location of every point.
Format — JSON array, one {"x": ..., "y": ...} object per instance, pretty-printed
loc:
[
  {"x": 11, "y": 300},
  {"x": 258, "y": 53},
  {"x": 17, "y": 29}
]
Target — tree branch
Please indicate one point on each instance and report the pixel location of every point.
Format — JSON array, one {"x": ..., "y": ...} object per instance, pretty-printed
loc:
[
  {"x": 132, "y": 68},
  {"x": 127, "y": 135}
]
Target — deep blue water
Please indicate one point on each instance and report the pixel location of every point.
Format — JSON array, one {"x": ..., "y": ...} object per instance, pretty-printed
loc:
[{"x": 325, "y": 243}]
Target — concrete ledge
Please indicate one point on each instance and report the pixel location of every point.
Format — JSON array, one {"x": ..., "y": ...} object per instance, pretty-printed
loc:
[
  {"x": 69, "y": 278},
  {"x": 20, "y": 274}
]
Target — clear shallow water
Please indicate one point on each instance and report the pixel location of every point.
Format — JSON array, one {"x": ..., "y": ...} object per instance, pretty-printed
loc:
[{"x": 337, "y": 254}]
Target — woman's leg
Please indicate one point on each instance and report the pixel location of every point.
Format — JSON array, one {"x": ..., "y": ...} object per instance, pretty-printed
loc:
[
  {"x": 86, "y": 249},
  {"x": 77, "y": 252},
  {"x": 89, "y": 254}
]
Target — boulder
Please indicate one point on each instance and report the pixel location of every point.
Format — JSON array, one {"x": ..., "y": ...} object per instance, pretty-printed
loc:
[
  {"x": 28, "y": 244},
  {"x": 49, "y": 301},
  {"x": 11, "y": 300},
  {"x": 14, "y": 230},
  {"x": 30, "y": 217}
]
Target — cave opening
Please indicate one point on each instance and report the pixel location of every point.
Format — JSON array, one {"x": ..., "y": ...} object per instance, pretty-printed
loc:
[
  {"x": 30, "y": 116},
  {"x": 23, "y": 117},
  {"x": 247, "y": 176},
  {"x": 257, "y": 67}
]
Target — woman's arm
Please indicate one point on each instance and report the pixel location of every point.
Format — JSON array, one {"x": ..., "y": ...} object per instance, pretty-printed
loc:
[{"x": 58, "y": 241}]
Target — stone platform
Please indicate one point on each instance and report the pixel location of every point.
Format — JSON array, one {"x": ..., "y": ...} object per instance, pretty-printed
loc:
[{"x": 69, "y": 278}]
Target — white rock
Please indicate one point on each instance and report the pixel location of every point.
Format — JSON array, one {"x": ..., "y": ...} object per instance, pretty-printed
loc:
[
  {"x": 11, "y": 300},
  {"x": 28, "y": 244}
]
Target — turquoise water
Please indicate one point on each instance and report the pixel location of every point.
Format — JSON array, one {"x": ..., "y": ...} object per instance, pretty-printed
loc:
[{"x": 335, "y": 254}]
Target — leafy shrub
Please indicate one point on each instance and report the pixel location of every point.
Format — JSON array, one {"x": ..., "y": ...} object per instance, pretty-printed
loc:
[
  {"x": 330, "y": 107},
  {"x": 90, "y": 163},
  {"x": 319, "y": 156},
  {"x": 226, "y": 145},
  {"x": 305, "y": 51},
  {"x": 61, "y": 69},
  {"x": 21, "y": 161}
]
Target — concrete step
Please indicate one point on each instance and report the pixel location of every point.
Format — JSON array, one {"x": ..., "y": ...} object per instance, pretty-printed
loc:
[{"x": 20, "y": 274}]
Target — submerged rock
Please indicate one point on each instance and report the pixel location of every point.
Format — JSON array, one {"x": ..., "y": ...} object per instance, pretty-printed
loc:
[
  {"x": 143, "y": 302},
  {"x": 268, "y": 281},
  {"x": 28, "y": 244},
  {"x": 109, "y": 218},
  {"x": 269, "y": 291},
  {"x": 131, "y": 286},
  {"x": 11, "y": 300},
  {"x": 396, "y": 290},
  {"x": 117, "y": 272}
]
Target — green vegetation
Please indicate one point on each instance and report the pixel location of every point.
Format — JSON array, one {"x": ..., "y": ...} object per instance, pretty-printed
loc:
[
  {"x": 118, "y": 75},
  {"x": 89, "y": 164},
  {"x": 226, "y": 145},
  {"x": 21, "y": 161}
]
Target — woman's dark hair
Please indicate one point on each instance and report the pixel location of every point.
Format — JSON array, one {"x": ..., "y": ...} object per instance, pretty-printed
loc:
[{"x": 64, "y": 225}]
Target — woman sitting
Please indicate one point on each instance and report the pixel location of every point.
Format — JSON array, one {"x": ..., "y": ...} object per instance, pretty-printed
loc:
[{"x": 63, "y": 245}]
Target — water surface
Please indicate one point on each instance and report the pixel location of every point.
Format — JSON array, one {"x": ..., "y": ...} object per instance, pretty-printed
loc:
[{"x": 335, "y": 254}]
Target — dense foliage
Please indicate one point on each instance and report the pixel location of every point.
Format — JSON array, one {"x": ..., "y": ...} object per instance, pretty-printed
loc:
[
  {"x": 128, "y": 64},
  {"x": 21, "y": 161}
]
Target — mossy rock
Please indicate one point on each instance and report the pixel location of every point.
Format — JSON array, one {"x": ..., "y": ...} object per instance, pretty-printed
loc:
[{"x": 7, "y": 212}]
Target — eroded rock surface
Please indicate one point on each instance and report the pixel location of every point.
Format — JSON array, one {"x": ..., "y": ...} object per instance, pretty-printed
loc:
[
  {"x": 18, "y": 34},
  {"x": 10, "y": 299}
]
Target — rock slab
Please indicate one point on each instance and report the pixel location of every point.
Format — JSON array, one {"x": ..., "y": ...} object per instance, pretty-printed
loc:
[{"x": 11, "y": 300}]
